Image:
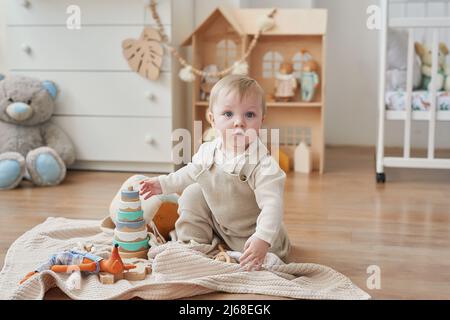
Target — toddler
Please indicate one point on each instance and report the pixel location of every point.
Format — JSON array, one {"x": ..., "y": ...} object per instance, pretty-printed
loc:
[{"x": 233, "y": 188}]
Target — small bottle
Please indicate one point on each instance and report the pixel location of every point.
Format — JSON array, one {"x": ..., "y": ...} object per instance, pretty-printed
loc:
[{"x": 302, "y": 158}]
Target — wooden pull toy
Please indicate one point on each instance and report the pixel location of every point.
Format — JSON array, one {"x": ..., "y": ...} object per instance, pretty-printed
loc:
[{"x": 223, "y": 256}]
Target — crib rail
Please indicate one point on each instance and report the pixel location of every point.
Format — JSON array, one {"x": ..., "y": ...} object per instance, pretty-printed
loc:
[
  {"x": 426, "y": 22},
  {"x": 411, "y": 24}
]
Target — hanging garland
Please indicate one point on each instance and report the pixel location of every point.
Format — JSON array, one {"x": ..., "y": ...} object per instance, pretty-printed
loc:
[{"x": 188, "y": 72}]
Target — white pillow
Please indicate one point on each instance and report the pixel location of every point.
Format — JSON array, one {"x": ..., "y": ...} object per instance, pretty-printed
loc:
[
  {"x": 397, "y": 55},
  {"x": 397, "y": 49}
]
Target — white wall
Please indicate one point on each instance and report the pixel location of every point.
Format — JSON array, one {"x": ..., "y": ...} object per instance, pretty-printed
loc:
[
  {"x": 2, "y": 36},
  {"x": 204, "y": 7},
  {"x": 277, "y": 4},
  {"x": 351, "y": 76},
  {"x": 352, "y": 58}
]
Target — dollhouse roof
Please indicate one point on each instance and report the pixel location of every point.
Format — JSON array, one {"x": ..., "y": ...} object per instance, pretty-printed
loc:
[{"x": 287, "y": 21}]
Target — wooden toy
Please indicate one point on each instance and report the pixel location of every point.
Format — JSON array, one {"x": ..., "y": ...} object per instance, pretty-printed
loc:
[
  {"x": 284, "y": 161},
  {"x": 295, "y": 32},
  {"x": 289, "y": 140},
  {"x": 147, "y": 264},
  {"x": 130, "y": 232},
  {"x": 119, "y": 276},
  {"x": 106, "y": 278},
  {"x": 223, "y": 256},
  {"x": 109, "y": 278},
  {"x": 143, "y": 268},
  {"x": 136, "y": 254},
  {"x": 145, "y": 55},
  {"x": 302, "y": 158},
  {"x": 139, "y": 273},
  {"x": 89, "y": 247}
]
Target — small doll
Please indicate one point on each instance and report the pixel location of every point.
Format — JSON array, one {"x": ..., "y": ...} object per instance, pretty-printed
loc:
[
  {"x": 309, "y": 80},
  {"x": 71, "y": 260},
  {"x": 207, "y": 82},
  {"x": 285, "y": 83}
]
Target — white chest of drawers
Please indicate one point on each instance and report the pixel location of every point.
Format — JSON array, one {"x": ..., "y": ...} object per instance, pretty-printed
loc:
[{"x": 116, "y": 119}]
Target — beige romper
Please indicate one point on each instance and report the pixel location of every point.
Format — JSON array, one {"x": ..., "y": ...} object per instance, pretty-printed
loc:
[{"x": 216, "y": 202}]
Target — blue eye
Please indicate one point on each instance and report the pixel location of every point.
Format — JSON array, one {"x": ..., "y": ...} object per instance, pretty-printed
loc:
[
  {"x": 228, "y": 114},
  {"x": 250, "y": 114}
]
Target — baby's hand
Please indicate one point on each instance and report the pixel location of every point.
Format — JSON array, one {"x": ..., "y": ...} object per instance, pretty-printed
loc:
[
  {"x": 150, "y": 187},
  {"x": 255, "y": 251}
]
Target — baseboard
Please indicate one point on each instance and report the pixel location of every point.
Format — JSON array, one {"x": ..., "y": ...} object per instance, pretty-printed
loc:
[{"x": 150, "y": 167}]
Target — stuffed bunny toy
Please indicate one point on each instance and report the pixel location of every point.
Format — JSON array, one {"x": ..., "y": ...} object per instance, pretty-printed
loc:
[{"x": 426, "y": 56}]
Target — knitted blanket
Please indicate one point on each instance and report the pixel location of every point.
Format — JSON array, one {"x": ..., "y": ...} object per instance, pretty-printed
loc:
[{"x": 177, "y": 270}]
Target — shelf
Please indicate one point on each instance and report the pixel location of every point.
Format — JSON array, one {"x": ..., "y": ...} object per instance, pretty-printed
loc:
[
  {"x": 417, "y": 115},
  {"x": 297, "y": 104}
]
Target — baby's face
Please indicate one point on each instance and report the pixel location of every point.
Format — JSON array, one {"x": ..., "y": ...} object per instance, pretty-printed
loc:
[{"x": 237, "y": 121}]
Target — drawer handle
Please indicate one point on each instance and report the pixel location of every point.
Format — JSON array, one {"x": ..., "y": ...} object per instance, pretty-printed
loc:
[
  {"x": 150, "y": 96},
  {"x": 25, "y": 3},
  {"x": 26, "y": 48},
  {"x": 149, "y": 139}
]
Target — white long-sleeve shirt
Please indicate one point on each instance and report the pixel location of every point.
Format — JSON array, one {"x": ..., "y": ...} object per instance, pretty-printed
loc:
[{"x": 267, "y": 180}]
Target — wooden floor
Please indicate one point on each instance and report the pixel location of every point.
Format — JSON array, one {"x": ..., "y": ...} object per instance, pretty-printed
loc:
[{"x": 341, "y": 219}]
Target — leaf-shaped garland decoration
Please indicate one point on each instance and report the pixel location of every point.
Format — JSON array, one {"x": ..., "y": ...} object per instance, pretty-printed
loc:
[
  {"x": 188, "y": 72},
  {"x": 144, "y": 55}
]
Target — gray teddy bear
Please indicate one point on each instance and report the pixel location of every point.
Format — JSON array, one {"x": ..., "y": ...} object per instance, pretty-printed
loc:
[{"x": 31, "y": 146}]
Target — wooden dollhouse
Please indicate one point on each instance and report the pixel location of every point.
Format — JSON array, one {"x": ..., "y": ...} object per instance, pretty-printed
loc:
[{"x": 225, "y": 35}]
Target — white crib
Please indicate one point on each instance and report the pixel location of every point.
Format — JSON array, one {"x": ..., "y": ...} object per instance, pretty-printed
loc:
[{"x": 434, "y": 25}]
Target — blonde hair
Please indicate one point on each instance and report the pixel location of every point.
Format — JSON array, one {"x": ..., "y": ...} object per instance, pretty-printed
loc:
[{"x": 241, "y": 84}]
